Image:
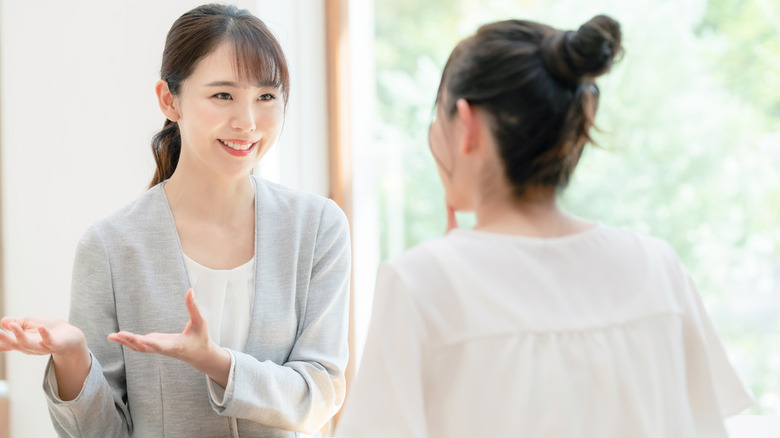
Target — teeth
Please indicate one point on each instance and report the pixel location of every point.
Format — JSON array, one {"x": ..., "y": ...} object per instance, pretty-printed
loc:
[{"x": 236, "y": 146}]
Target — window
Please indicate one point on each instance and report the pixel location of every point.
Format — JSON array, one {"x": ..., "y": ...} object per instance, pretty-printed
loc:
[{"x": 689, "y": 147}]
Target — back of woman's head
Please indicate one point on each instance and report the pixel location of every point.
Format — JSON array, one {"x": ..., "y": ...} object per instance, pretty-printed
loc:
[
  {"x": 195, "y": 35},
  {"x": 537, "y": 85}
]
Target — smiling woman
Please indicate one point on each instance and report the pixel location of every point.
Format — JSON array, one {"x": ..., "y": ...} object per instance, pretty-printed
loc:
[
  {"x": 175, "y": 307},
  {"x": 252, "y": 51}
]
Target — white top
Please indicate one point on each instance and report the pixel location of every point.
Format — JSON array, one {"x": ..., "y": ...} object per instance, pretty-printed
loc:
[
  {"x": 224, "y": 298},
  {"x": 598, "y": 334}
]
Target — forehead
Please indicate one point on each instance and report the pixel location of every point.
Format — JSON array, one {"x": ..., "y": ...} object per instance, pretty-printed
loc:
[
  {"x": 217, "y": 65},
  {"x": 223, "y": 65}
]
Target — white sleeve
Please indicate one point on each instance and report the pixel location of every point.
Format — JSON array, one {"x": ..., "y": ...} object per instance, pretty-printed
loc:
[
  {"x": 387, "y": 399},
  {"x": 715, "y": 390}
]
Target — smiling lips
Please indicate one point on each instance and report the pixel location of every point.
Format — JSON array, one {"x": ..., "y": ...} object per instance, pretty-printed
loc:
[{"x": 238, "y": 145}]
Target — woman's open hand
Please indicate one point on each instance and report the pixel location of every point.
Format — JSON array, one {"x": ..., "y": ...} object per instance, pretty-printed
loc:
[
  {"x": 65, "y": 342},
  {"x": 39, "y": 336},
  {"x": 193, "y": 345}
]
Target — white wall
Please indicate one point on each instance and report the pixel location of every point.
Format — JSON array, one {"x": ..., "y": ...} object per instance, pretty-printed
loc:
[
  {"x": 78, "y": 112},
  {"x": 365, "y": 220}
]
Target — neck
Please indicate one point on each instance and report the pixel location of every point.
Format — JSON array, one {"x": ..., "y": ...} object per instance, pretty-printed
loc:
[
  {"x": 537, "y": 214},
  {"x": 209, "y": 197}
]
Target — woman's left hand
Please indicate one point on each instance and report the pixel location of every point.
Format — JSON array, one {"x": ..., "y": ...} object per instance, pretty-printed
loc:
[{"x": 193, "y": 345}]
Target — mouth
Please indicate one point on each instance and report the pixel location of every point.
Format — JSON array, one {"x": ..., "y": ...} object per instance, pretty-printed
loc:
[{"x": 238, "y": 145}]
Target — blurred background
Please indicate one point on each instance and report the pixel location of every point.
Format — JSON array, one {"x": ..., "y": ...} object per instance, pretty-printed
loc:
[{"x": 689, "y": 144}]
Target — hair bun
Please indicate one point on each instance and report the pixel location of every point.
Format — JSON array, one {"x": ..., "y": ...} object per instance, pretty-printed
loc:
[{"x": 585, "y": 54}]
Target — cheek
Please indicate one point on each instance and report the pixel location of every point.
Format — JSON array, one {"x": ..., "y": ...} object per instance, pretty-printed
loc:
[
  {"x": 209, "y": 115},
  {"x": 199, "y": 119},
  {"x": 271, "y": 118},
  {"x": 441, "y": 154}
]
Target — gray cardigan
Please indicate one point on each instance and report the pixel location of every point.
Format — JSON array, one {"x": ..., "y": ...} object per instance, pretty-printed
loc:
[{"x": 129, "y": 274}]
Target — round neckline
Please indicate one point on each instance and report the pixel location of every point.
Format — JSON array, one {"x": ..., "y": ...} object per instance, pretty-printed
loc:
[
  {"x": 490, "y": 235},
  {"x": 228, "y": 271}
]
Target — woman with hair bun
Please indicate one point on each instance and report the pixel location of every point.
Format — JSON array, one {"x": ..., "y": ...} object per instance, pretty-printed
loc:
[
  {"x": 535, "y": 323},
  {"x": 262, "y": 351}
]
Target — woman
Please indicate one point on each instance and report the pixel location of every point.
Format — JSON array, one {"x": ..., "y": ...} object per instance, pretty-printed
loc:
[
  {"x": 535, "y": 323},
  {"x": 263, "y": 351}
]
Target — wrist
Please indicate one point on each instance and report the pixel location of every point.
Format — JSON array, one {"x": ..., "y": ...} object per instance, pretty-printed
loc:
[
  {"x": 216, "y": 364},
  {"x": 76, "y": 354},
  {"x": 71, "y": 369}
]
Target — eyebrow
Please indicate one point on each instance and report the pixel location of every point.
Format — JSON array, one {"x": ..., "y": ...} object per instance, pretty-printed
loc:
[{"x": 261, "y": 84}]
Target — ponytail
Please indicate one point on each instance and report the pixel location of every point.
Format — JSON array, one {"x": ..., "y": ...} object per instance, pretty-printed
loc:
[{"x": 166, "y": 147}]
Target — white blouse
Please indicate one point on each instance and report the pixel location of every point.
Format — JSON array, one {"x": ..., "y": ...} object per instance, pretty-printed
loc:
[
  {"x": 599, "y": 334},
  {"x": 224, "y": 298}
]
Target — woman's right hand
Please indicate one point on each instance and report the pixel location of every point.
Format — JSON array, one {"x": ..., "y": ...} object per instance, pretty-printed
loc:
[
  {"x": 38, "y": 336},
  {"x": 65, "y": 342}
]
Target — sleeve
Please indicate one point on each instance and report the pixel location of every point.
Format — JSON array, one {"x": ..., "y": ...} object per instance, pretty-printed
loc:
[
  {"x": 387, "y": 399},
  {"x": 715, "y": 391},
  {"x": 100, "y": 410},
  {"x": 305, "y": 392}
]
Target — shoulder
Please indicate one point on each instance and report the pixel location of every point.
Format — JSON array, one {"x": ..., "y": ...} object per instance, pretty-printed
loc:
[
  {"x": 421, "y": 267},
  {"x": 423, "y": 254},
  {"x": 653, "y": 260},
  {"x": 278, "y": 201},
  {"x": 299, "y": 219},
  {"x": 142, "y": 214},
  {"x": 271, "y": 192},
  {"x": 626, "y": 241}
]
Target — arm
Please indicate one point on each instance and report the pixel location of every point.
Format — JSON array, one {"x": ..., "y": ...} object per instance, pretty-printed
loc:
[
  {"x": 387, "y": 399},
  {"x": 65, "y": 343},
  {"x": 303, "y": 393},
  {"x": 99, "y": 408}
]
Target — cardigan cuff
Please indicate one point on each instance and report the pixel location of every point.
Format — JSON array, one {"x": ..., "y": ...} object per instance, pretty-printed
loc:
[
  {"x": 52, "y": 389},
  {"x": 218, "y": 395}
]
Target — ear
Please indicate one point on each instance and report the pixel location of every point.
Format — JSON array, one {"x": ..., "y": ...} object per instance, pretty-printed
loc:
[
  {"x": 167, "y": 101},
  {"x": 468, "y": 117}
]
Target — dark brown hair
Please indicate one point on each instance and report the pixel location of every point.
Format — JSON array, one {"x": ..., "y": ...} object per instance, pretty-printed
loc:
[
  {"x": 537, "y": 84},
  {"x": 197, "y": 33}
]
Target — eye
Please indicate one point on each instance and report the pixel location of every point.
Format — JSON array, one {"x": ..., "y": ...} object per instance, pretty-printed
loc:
[
  {"x": 222, "y": 96},
  {"x": 266, "y": 97}
]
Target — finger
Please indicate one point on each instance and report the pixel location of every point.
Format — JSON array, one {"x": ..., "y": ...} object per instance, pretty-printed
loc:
[
  {"x": 46, "y": 340},
  {"x": 6, "y": 322},
  {"x": 29, "y": 325},
  {"x": 8, "y": 341},
  {"x": 155, "y": 343},
  {"x": 160, "y": 343},
  {"x": 452, "y": 220},
  {"x": 17, "y": 329},
  {"x": 193, "y": 310},
  {"x": 26, "y": 343},
  {"x": 129, "y": 340}
]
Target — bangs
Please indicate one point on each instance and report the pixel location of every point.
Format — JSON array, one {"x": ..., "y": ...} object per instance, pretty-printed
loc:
[{"x": 258, "y": 57}]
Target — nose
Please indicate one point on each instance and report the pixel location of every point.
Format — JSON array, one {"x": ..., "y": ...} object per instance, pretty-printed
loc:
[{"x": 243, "y": 118}]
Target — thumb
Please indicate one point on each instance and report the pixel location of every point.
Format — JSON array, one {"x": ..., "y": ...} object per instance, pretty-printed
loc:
[{"x": 192, "y": 308}]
